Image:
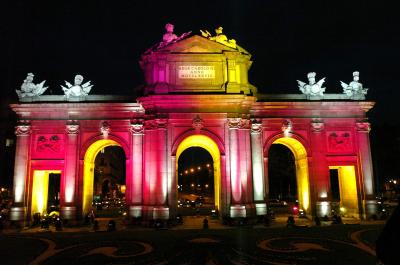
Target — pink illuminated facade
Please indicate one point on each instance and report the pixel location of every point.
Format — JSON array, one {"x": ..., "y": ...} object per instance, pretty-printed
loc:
[{"x": 197, "y": 94}]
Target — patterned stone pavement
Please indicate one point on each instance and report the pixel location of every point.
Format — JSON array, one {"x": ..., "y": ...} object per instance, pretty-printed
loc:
[{"x": 340, "y": 244}]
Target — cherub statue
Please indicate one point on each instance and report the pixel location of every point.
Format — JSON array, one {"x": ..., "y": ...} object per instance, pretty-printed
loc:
[
  {"x": 355, "y": 89},
  {"x": 219, "y": 37},
  {"x": 170, "y": 37},
  {"x": 77, "y": 90},
  {"x": 29, "y": 89},
  {"x": 312, "y": 89}
]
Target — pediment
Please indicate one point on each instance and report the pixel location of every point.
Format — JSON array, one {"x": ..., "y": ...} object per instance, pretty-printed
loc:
[{"x": 197, "y": 44}]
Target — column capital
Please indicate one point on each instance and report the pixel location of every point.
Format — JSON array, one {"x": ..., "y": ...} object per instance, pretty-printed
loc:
[
  {"x": 154, "y": 124},
  {"x": 238, "y": 123},
  {"x": 363, "y": 126},
  {"x": 23, "y": 128},
  {"x": 72, "y": 127},
  {"x": 137, "y": 126},
  {"x": 256, "y": 126},
  {"x": 317, "y": 125}
]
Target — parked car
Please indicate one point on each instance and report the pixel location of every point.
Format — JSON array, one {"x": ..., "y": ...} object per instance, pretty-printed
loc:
[{"x": 277, "y": 203}]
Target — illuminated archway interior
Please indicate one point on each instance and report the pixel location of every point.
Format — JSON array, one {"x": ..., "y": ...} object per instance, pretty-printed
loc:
[
  {"x": 348, "y": 190},
  {"x": 88, "y": 171},
  {"x": 211, "y": 147},
  {"x": 40, "y": 190},
  {"x": 301, "y": 164}
]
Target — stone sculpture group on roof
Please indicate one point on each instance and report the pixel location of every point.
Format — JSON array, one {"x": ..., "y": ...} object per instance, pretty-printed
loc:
[{"x": 313, "y": 90}]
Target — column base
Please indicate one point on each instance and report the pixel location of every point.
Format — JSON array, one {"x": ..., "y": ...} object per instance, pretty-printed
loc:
[
  {"x": 323, "y": 208},
  {"x": 155, "y": 212},
  {"x": 370, "y": 209},
  {"x": 68, "y": 212},
  {"x": 135, "y": 211},
  {"x": 261, "y": 208},
  {"x": 237, "y": 211},
  {"x": 161, "y": 213},
  {"x": 17, "y": 213}
]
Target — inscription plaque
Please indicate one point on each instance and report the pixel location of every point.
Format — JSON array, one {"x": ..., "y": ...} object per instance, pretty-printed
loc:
[{"x": 196, "y": 72}]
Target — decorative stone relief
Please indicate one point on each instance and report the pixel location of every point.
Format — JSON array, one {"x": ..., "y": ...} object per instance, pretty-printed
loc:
[
  {"x": 48, "y": 143},
  {"x": 29, "y": 89},
  {"x": 317, "y": 125},
  {"x": 313, "y": 90},
  {"x": 197, "y": 123},
  {"x": 340, "y": 141},
  {"x": 105, "y": 129}
]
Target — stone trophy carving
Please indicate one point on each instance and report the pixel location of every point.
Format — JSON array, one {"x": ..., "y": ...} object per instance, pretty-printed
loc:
[
  {"x": 50, "y": 144},
  {"x": 170, "y": 37},
  {"x": 77, "y": 90},
  {"x": 355, "y": 89},
  {"x": 313, "y": 90},
  {"x": 29, "y": 89},
  {"x": 219, "y": 37}
]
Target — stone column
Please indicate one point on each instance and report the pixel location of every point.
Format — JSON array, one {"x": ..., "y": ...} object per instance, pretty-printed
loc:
[
  {"x": 69, "y": 178},
  {"x": 320, "y": 191},
  {"x": 136, "y": 203},
  {"x": 161, "y": 209},
  {"x": 364, "y": 154},
  {"x": 23, "y": 133},
  {"x": 258, "y": 168},
  {"x": 236, "y": 209}
]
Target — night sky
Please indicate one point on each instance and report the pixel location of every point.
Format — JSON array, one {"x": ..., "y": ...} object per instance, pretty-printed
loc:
[{"x": 103, "y": 41}]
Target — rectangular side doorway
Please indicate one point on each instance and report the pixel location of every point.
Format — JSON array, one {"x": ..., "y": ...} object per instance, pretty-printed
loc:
[
  {"x": 344, "y": 190},
  {"x": 45, "y": 191}
]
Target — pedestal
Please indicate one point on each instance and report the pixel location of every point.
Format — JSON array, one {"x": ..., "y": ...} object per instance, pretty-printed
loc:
[
  {"x": 261, "y": 208},
  {"x": 135, "y": 211},
  {"x": 161, "y": 213},
  {"x": 323, "y": 208},
  {"x": 371, "y": 208},
  {"x": 237, "y": 211},
  {"x": 68, "y": 213},
  {"x": 17, "y": 213}
]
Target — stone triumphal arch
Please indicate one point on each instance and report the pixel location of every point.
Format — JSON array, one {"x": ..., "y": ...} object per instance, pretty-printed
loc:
[{"x": 196, "y": 94}]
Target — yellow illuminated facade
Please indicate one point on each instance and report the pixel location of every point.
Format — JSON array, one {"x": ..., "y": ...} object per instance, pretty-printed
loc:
[
  {"x": 348, "y": 190},
  {"x": 301, "y": 163},
  {"x": 88, "y": 171},
  {"x": 40, "y": 189},
  {"x": 211, "y": 147}
]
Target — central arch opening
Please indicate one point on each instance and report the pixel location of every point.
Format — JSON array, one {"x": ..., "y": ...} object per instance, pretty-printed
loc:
[
  {"x": 195, "y": 181},
  {"x": 198, "y": 160},
  {"x": 104, "y": 178},
  {"x": 109, "y": 182},
  {"x": 288, "y": 176}
]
